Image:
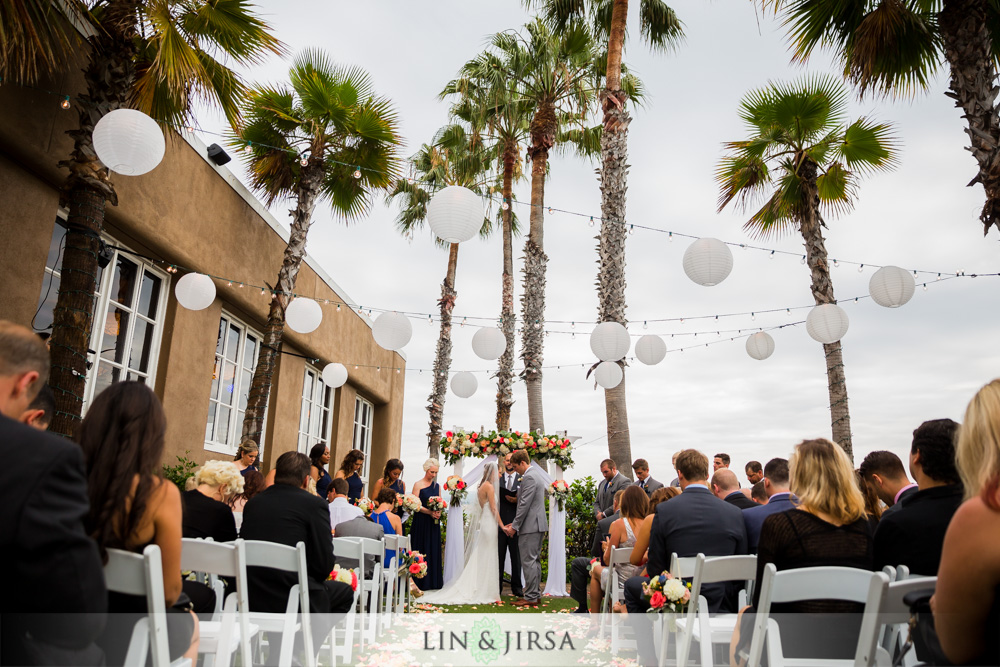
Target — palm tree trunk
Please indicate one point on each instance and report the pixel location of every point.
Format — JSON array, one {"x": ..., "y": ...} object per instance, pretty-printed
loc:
[
  {"x": 543, "y": 135},
  {"x": 967, "y": 47},
  {"x": 442, "y": 361},
  {"x": 822, "y": 289},
  {"x": 306, "y": 197},
  {"x": 109, "y": 77},
  {"x": 611, "y": 247},
  {"x": 505, "y": 372}
]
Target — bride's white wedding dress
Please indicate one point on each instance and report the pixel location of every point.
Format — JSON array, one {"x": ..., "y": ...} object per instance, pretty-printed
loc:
[{"x": 479, "y": 581}]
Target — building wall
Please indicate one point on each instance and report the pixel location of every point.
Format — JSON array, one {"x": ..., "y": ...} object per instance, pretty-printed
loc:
[{"x": 194, "y": 214}]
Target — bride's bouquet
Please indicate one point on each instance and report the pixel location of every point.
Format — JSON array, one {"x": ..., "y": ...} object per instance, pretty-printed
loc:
[
  {"x": 414, "y": 563},
  {"x": 409, "y": 502},
  {"x": 344, "y": 576},
  {"x": 365, "y": 505},
  {"x": 436, "y": 504},
  {"x": 459, "y": 489},
  {"x": 559, "y": 490}
]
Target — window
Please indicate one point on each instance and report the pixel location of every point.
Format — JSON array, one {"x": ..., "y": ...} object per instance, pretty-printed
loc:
[
  {"x": 364, "y": 412},
  {"x": 235, "y": 359},
  {"x": 314, "y": 420}
]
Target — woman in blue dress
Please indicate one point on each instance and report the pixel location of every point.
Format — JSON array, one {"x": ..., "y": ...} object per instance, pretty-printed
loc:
[
  {"x": 320, "y": 457},
  {"x": 350, "y": 469},
  {"x": 383, "y": 516},
  {"x": 392, "y": 478},
  {"x": 425, "y": 533},
  {"x": 246, "y": 456}
]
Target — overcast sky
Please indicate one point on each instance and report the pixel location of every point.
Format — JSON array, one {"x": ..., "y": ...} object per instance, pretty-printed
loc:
[{"x": 922, "y": 361}]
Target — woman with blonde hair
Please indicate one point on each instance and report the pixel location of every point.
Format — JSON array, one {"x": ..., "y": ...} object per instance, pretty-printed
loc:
[
  {"x": 246, "y": 456},
  {"x": 425, "y": 532},
  {"x": 206, "y": 512},
  {"x": 633, "y": 507},
  {"x": 829, "y": 527},
  {"x": 966, "y": 603}
]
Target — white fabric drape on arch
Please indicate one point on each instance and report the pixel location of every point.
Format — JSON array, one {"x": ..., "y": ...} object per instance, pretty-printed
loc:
[
  {"x": 454, "y": 537},
  {"x": 555, "y": 584}
]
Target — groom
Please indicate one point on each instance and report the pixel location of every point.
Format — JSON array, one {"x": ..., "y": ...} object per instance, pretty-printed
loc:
[{"x": 530, "y": 525}]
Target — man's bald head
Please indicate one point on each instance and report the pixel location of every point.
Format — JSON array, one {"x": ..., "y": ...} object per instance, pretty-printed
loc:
[
  {"x": 724, "y": 482},
  {"x": 24, "y": 368}
]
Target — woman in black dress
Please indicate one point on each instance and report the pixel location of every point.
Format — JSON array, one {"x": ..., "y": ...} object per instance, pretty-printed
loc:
[
  {"x": 246, "y": 456},
  {"x": 320, "y": 457},
  {"x": 425, "y": 532},
  {"x": 350, "y": 469},
  {"x": 392, "y": 478},
  {"x": 206, "y": 512}
]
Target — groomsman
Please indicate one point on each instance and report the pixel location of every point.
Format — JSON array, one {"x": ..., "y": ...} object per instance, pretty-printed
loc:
[
  {"x": 643, "y": 479},
  {"x": 613, "y": 482},
  {"x": 510, "y": 481}
]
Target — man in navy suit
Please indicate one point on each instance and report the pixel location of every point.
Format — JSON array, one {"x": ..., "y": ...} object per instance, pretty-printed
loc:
[
  {"x": 692, "y": 523},
  {"x": 779, "y": 499}
]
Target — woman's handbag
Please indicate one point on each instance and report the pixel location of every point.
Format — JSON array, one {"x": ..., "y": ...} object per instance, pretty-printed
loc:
[{"x": 923, "y": 636}]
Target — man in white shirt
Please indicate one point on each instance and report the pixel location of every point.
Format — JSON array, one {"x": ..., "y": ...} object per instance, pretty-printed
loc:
[{"x": 340, "y": 509}]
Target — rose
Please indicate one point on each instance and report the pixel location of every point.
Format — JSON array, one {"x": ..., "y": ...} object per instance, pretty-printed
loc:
[
  {"x": 657, "y": 600},
  {"x": 415, "y": 568},
  {"x": 448, "y": 434}
]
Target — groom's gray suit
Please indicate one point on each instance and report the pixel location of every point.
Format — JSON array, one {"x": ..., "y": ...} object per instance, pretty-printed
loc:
[{"x": 531, "y": 526}]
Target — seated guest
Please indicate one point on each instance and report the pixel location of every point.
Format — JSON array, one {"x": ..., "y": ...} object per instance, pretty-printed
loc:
[
  {"x": 341, "y": 509},
  {"x": 661, "y": 495},
  {"x": 246, "y": 456},
  {"x": 779, "y": 499},
  {"x": 41, "y": 410},
  {"x": 253, "y": 483},
  {"x": 287, "y": 514},
  {"x": 884, "y": 472},
  {"x": 383, "y": 516},
  {"x": 829, "y": 528},
  {"x": 966, "y": 605},
  {"x": 54, "y": 601},
  {"x": 692, "y": 523},
  {"x": 754, "y": 471},
  {"x": 206, "y": 513},
  {"x": 350, "y": 469},
  {"x": 579, "y": 580},
  {"x": 675, "y": 482},
  {"x": 758, "y": 494},
  {"x": 643, "y": 478},
  {"x": 131, "y": 507},
  {"x": 320, "y": 457},
  {"x": 726, "y": 487},
  {"x": 359, "y": 526},
  {"x": 913, "y": 534},
  {"x": 873, "y": 506},
  {"x": 623, "y": 531}
]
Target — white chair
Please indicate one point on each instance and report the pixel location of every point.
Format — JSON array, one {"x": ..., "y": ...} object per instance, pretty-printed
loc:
[
  {"x": 347, "y": 547},
  {"x": 135, "y": 574},
  {"x": 801, "y": 584},
  {"x": 612, "y": 594},
  {"x": 891, "y": 612},
  {"x": 403, "y": 597},
  {"x": 287, "y": 559},
  {"x": 370, "y": 598},
  {"x": 390, "y": 576},
  {"x": 230, "y": 629},
  {"x": 698, "y": 624}
]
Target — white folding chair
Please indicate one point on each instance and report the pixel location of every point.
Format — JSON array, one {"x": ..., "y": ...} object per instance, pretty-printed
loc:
[
  {"x": 230, "y": 629},
  {"x": 370, "y": 599},
  {"x": 286, "y": 559},
  {"x": 618, "y": 556},
  {"x": 403, "y": 583},
  {"x": 135, "y": 574},
  {"x": 801, "y": 584},
  {"x": 891, "y": 612},
  {"x": 347, "y": 547},
  {"x": 390, "y": 576},
  {"x": 698, "y": 624}
]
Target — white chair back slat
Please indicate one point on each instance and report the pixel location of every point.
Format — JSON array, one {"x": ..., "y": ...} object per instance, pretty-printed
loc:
[
  {"x": 826, "y": 583},
  {"x": 135, "y": 574},
  {"x": 892, "y": 613},
  {"x": 682, "y": 567},
  {"x": 259, "y": 553}
]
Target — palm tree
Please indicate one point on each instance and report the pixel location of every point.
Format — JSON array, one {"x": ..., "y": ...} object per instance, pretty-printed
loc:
[
  {"x": 495, "y": 108},
  {"x": 160, "y": 57},
  {"x": 33, "y": 38},
  {"x": 456, "y": 157},
  {"x": 661, "y": 30},
  {"x": 553, "y": 73},
  {"x": 328, "y": 137},
  {"x": 802, "y": 158},
  {"x": 893, "y": 47}
]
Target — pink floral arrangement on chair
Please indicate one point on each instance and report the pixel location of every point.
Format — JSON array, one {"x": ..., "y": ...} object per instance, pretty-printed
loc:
[
  {"x": 344, "y": 576},
  {"x": 667, "y": 594}
]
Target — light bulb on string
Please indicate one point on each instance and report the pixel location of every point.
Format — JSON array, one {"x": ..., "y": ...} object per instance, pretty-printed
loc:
[
  {"x": 861, "y": 269},
  {"x": 505, "y": 205},
  {"x": 304, "y": 161},
  {"x": 836, "y": 263},
  {"x": 591, "y": 221},
  {"x": 753, "y": 316},
  {"x": 645, "y": 325},
  {"x": 357, "y": 172},
  {"x": 410, "y": 181},
  {"x": 65, "y": 103},
  {"x": 925, "y": 287},
  {"x": 550, "y": 210},
  {"x": 772, "y": 254},
  {"x": 670, "y": 237},
  {"x": 803, "y": 260}
]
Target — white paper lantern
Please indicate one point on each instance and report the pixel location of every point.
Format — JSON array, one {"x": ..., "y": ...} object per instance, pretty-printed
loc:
[
  {"x": 608, "y": 374},
  {"x": 303, "y": 315},
  {"x": 334, "y": 375},
  {"x": 392, "y": 331},
  {"x": 489, "y": 343},
  {"x": 827, "y": 323},
  {"x": 892, "y": 286},
  {"x": 650, "y": 350},
  {"x": 708, "y": 262},
  {"x": 464, "y": 384},
  {"x": 195, "y": 291},
  {"x": 760, "y": 346},
  {"x": 455, "y": 214},
  {"x": 610, "y": 341},
  {"x": 128, "y": 142}
]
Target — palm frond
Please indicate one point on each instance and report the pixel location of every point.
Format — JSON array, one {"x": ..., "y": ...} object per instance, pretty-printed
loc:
[
  {"x": 659, "y": 26},
  {"x": 34, "y": 38}
]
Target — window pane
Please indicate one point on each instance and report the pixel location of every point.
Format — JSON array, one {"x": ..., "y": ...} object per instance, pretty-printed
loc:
[
  {"x": 115, "y": 330},
  {"x": 223, "y": 422},
  {"x": 149, "y": 295},
  {"x": 314, "y": 417},
  {"x": 307, "y": 385},
  {"x": 324, "y": 426},
  {"x": 54, "y": 260},
  {"x": 210, "y": 426},
  {"x": 222, "y": 332},
  {"x": 228, "y": 383},
  {"x": 216, "y": 376},
  {"x": 233, "y": 344},
  {"x": 250, "y": 353},
  {"x": 304, "y": 417},
  {"x": 47, "y": 301},
  {"x": 106, "y": 376},
  {"x": 123, "y": 281},
  {"x": 142, "y": 338},
  {"x": 245, "y": 379}
]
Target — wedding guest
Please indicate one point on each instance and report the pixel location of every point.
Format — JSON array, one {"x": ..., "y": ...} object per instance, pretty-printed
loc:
[
  {"x": 692, "y": 523},
  {"x": 392, "y": 477},
  {"x": 509, "y": 482},
  {"x": 884, "y": 472},
  {"x": 341, "y": 509},
  {"x": 778, "y": 499},
  {"x": 660, "y": 496},
  {"x": 675, "y": 482},
  {"x": 579, "y": 581},
  {"x": 634, "y": 505},
  {"x": 965, "y": 604},
  {"x": 286, "y": 513},
  {"x": 206, "y": 513},
  {"x": 391, "y": 524},
  {"x": 604, "y": 525},
  {"x": 54, "y": 601},
  {"x": 754, "y": 472},
  {"x": 359, "y": 526},
  {"x": 758, "y": 494},
  {"x": 246, "y": 456},
  {"x": 726, "y": 487},
  {"x": 425, "y": 531},
  {"x": 614, "y": 482},
  {"x": 873, "y": 506},
  {"x": 132, "y": 506},
  {"x": 642, "y": 478},
  {"x": 41, "y": 410},
  {"x": 320, "y": 457},
  {"x": 350, "y": 469},
  {"x": 828, "y": 527},
  {"x": 720, "y": 461},
  {"x": 253, "y": 483}
]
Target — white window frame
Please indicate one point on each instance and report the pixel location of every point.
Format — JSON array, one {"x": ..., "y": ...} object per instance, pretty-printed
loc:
[
  {"x": 235, "y": 422},
  {"x": 317, "y": 404},
  {"x": 364, "y": 410}
]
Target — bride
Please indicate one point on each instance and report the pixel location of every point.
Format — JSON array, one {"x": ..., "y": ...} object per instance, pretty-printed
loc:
[{"x": 478, "y": 583}]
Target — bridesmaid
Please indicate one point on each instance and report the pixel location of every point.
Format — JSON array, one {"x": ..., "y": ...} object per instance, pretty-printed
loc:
[
  {"x": 246, "y": 456},
  {"x": 350, "y": 469},
  {"x": 425, "y": 534},
  {"x": 320, "y": 456},
  {"x": 392, "y": 478}
]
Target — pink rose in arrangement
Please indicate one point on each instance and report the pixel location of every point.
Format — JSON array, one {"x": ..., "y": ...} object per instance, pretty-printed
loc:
[{"x": 657, "y": 599}]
